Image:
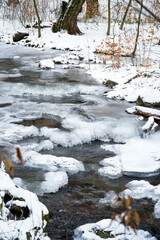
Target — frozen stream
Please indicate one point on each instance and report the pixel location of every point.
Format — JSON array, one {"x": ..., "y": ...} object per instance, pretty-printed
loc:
[{"x": 62, "y": 113}]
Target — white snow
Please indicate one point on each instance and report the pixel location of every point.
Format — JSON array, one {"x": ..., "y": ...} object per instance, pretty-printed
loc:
[
  {"x": 18, "y": 228},
  {"x": 53, "y": 163},
  {"x": 54, "y": 181},
  {"x": 148, "y": 125},
  {"x": 112, "y": 167},
  {"x": 138, "y": 157},
  {"x": 18, "y": 181},
  {"x": 117, "y": 230},
  {"x": 157, "y": 210},
  {"x": 46, "y": 64},
  {"x": 145, "y": 110}
]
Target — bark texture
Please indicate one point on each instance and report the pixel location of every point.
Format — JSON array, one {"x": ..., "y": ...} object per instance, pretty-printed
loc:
[
  {"x": 67, "y": 19},
  {"x": 92, "y": 9}
]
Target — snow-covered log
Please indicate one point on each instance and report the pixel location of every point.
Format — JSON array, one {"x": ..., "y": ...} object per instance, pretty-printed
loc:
[
  {"x": 144, "y": 111},
  {"x": 148, "y": 125}
]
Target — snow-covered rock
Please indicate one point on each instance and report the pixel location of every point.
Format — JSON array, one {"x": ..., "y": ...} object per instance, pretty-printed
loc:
[
  {"x": 54, "y": 181},
  {"x": 112, "y": 168},
  {"x": 113, "y": 229},
  {"x": 53, "y": 163},
  {"x": 21, "y": 213},
  {"x": 46, "y": 64}
]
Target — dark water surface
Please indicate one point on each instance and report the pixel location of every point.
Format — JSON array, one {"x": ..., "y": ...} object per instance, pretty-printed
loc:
[{"x": 78, "y": 202}]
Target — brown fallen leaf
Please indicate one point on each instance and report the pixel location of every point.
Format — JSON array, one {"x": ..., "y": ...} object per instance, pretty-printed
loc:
[
  {"x": 9, "y": 165},
  {"x": 19, "y": 155}
]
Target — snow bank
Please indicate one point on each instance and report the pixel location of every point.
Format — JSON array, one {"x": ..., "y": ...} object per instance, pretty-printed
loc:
[
  {"x": 138, "y": 157},
  {"x": 145, "y": 87},
  {"x": 33, "y": 214},
  {"x": 115, "y": 230}
]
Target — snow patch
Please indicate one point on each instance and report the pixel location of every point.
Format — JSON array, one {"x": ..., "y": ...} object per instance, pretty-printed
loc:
[
  {"x": 115, "y": 229},
  {"x": 138, "y": 157},
  {"x": 54, "y": 181},
  {"x": 46, "y": 64},
  {"x": 53, "y": 163}
]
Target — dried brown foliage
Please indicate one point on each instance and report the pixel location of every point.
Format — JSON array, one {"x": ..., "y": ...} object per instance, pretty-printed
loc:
[
  {"x": 130, "y": 217},
  {"x": 9, "y": 165},
  {"x": 19, "y": 155},
  {"x": 9, "y": 162}
]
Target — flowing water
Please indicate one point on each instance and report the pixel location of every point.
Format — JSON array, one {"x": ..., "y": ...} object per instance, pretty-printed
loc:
[{"x": 30, "y": 96}]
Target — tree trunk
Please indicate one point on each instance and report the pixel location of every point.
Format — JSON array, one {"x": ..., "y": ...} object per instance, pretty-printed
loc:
[
  {"x": 39, "y": 21},
  {"x": 109, "y": 17},
  {"x": 92, "y": 9},
  {"x": 139, "y": 22},
  {"x": 68, "y": 17},
  {"x": 125, "y": 14},
  {"x": 57, "y": 26}
]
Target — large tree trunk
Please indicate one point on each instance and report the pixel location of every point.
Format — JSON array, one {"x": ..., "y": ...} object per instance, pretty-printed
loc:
[
  {"x": 68, "y": 17},
  {"x": 92, "y": 9}
]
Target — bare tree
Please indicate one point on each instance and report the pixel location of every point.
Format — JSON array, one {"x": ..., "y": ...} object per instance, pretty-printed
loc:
[
  {"x": 109, "y": 17},
  {"x": 38, "y": 18},
  {"x": 125, "y": 14},
  {"x": 157, "y": 18},
  {"x": 137, "y": 36}
]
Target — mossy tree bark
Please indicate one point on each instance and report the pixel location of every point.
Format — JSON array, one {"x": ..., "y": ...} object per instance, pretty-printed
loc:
[
  {"x": 92, "y": 9},
  {"x": 67, "y": 19},
  {"x": 57, "y": 26}
]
